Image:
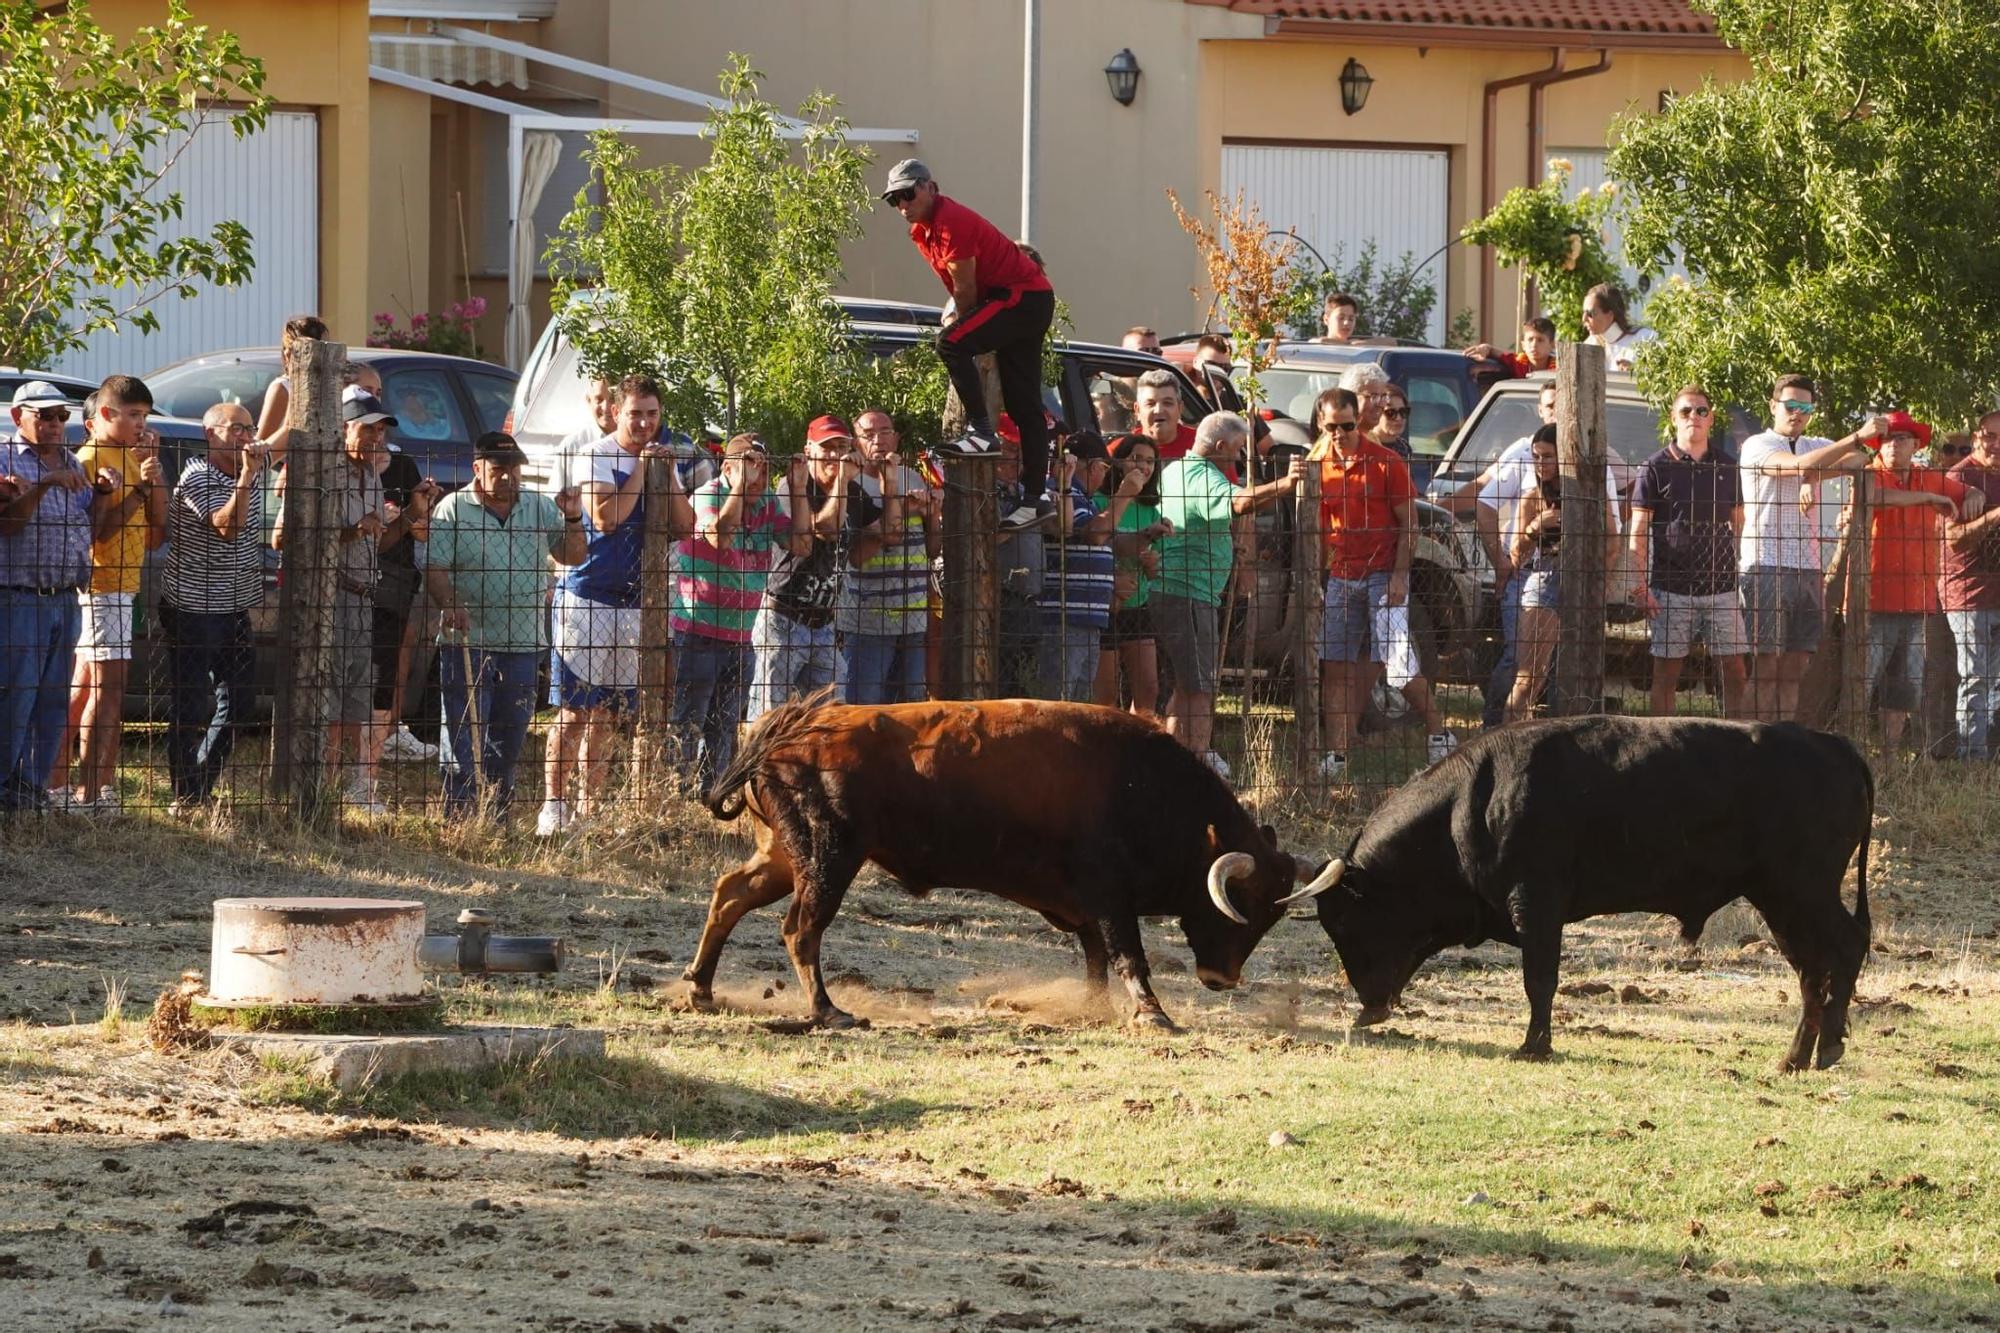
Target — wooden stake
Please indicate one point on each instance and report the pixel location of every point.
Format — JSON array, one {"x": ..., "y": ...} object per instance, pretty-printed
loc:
[{"x": 1580, "y": 443}]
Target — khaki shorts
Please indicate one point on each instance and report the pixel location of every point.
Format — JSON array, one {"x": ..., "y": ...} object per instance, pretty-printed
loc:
[
  {"x": 353, "y": 656},
  {"x": 107, "y": 627},
  {"x": 1716, "y": 619}
]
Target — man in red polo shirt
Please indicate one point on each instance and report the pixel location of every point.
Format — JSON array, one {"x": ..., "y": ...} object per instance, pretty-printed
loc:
[
  {"x": 1367, "y": 513},
  {"x": 1001, "y": 303}
]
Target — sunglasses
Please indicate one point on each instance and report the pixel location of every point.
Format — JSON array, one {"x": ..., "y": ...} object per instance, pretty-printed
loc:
[
  {"x": 1955, "y": 450},
  {"x": 1395, "y": 411},
  {"x": 902, "y": 196},
  {"x": 1693, "y": 411},
  {"x": 1803, "y": 409},
  {"x": 52, "y": 415},
  {"x": 1342, "y": 426}
]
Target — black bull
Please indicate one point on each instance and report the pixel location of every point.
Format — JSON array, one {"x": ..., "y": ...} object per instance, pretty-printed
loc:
[
  {"x": 1533, "y": 826},
  {"x": 1090, "y": 816}
]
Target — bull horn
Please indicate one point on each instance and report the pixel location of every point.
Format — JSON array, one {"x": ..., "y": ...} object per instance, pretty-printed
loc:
[
  {"x": 1326, "y": 880},
  {"x": 1228, "y": 866}
]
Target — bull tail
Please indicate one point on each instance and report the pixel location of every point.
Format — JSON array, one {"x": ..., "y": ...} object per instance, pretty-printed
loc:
[
  {"x": 726, "y": 795},
  {"x": 1861, "y": 863}
]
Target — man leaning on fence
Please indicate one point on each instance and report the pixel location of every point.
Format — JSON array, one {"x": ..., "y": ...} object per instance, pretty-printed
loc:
[
  {"x": 485, "y": 571},
  {"x": 595, "y": 612},
  {"x": 793, "y": 635},
  {"x": 1686, "y": 511},
  {"x": 47, "y": 509},
  {"x": 214, "y": 578},
  {"x": 719, "y": 581},
  {"x": 1905, "y": 523},
  {"x": 1367, "y": 515},
  {"x": 1196, "y": 561},
  {"x": 884, "y": 603},
  {"x": 1970, "y": 592}
]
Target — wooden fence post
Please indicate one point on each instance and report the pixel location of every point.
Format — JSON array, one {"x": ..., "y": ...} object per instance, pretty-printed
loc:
[
  {"x": 317, "y": 482},
  {"x": 971, "y": 579},
  {"x": 655, "y": 635},
  {"x": 1580, "y": 442},
  {"x": 1852, "y": 718},
  {"x": 1308, "y": 599}
]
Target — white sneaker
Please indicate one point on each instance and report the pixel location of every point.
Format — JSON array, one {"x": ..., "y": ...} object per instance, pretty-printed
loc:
[
  {"x": 63, "y": 801},
  {"x": 553, "y": 818},
  {"x": 1333, "y": 765},
  {"x": 1441, "y": 745},
  {"x": 404, "y": 745},
  {"x": 1024, "y": 516},
  {"x": 971, "y": 444},
  {"x": 1218, "y": 763},
  {"x": 365, "y": 799},
  {"x": 108, "y": 802}
]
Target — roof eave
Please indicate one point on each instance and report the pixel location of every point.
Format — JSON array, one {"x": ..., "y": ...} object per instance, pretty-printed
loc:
[{"x": 1472, "y": 35}]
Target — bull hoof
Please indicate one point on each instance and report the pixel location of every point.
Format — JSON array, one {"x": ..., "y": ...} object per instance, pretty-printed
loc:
[
  {"x": 1155, "y": 1020},
  {"x": 836, "y": 1019},
  {"x": 1536, "y": 1051},
  {"x": 1372, "y": 1015},
  {"x": 1830, "y": 1053},
  {"x": 702, "y": 1000}
]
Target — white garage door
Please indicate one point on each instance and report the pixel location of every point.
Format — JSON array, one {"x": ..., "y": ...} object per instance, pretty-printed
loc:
[
  {"x": 1347, "y": 197},
  {"x": 268, "y": 181}
]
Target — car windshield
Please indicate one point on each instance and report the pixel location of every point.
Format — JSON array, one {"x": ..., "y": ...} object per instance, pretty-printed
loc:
[
  {"x": 1634, "y": 429},
  {"x": 190, "y": 391},
  {"x": 1292, "y": 391}
]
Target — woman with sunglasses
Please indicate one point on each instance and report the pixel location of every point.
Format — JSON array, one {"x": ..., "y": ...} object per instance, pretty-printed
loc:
[{"x": 1536, "y": 553}]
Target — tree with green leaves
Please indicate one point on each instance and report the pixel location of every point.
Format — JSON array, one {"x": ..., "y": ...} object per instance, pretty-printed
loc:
[
  {"x": 1834, "y": 209},
  {"x": 91, "y": 130},
  {"x": 718, "y": 281},
  {"x": 1396, "y": 298},
  {"x": 1553, "y": 239}
]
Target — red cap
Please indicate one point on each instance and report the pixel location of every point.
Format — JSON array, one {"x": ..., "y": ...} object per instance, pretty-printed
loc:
[
  {"x": 1900, "y": 422},
  {"x": 827, "y": 428},
  {"x": 1011, "y": 433}
]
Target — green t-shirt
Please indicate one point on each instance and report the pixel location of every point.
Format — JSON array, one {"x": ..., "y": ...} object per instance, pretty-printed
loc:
[
  {"x": 1195, "y": 557},
  {"x": 1138, "y": 516},
  {"x": 499, "y": 569}
]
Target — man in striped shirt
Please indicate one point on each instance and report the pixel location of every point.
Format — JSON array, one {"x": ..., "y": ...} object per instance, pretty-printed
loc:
[
  {"x": 718, "y": 587},
  {"x": 886, "y": 602},
  {"x": 1075, "y": 605},
  {"x": 215, "y": 575}
]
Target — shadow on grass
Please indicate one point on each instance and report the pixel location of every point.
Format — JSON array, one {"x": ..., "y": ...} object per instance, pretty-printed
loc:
[{"x": 618, "y": 1097}]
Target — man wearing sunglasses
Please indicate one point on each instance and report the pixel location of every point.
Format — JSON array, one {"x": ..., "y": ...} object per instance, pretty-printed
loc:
[
  {"x": 1687, "y": 510},
  {"x": 1970, "y": 591},
  {"x": 1001, "y": 303},
  {"x": 1782, "y": 584},
  {"x": 48, "y": 510}
]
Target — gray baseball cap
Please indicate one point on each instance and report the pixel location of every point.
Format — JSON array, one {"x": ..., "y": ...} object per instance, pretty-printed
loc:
[
  {"x": 39, "y": 393},
  {"x": 905, "y": 175}
]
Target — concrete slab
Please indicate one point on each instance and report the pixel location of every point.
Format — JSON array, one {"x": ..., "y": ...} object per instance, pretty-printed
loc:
[{"x": 355, "y": 1062}]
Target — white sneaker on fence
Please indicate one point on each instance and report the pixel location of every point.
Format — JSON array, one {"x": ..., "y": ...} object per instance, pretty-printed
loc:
[
  {"x": 402, "y": 744},
  {"x": 1218, "y": 763},
  {"x": 1441, "y": 745},
  {"x": 552, "y": 819},
  {"x": 1333, "y": 766}
]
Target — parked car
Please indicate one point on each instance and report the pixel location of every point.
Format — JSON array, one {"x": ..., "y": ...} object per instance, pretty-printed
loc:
[
  {"x": 13, "y": 377},
  {"x": 1443, "y": 386},
  {"x": 442, "y": 403}
]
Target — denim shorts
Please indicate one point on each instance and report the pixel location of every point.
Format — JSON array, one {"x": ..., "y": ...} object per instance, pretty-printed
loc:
[
  {"x": 1541, "y": 589},
  {"x": 1346, "y": 629}
]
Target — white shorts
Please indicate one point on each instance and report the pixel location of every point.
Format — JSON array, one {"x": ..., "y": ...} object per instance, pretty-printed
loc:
[
  {"x": 1715, "y": 618},
  {"x": 107, "y": 627},
  {"x": 597, "y": 645}
]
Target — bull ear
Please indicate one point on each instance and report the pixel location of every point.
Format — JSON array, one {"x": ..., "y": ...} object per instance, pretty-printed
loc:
[{"x": 1270, "y": 835}]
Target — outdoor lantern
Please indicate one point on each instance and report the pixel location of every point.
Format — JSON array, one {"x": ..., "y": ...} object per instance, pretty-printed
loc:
[
  {"x": 1355, "y": 81},
  {"x": 1123, "y": 76}
]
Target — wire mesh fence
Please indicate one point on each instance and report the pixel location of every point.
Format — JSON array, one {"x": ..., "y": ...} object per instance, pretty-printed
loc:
[{"x": 320, "y": 629}]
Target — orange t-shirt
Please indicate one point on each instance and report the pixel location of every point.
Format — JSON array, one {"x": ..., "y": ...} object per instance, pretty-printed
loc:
[
  {"x": 1905, "y": 543},
  {"x": 1358, "y": 496}
]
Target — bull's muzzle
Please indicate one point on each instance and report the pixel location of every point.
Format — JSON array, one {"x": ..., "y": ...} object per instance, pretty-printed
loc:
[{"x": 1215, "y": 980}]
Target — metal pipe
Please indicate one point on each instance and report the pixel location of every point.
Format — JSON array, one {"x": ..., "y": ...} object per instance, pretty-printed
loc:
[
  {"x": 1489, "y": 170},
  {"x": 1031, "y": 68},
  {"x": 476, "y": 949}
]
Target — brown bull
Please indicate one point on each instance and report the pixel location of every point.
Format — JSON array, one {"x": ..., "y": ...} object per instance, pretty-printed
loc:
[{"x": 1092, "y": 817}]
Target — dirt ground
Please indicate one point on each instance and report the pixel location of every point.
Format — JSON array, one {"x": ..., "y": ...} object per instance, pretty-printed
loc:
[{"x": 149, "y": 1191}]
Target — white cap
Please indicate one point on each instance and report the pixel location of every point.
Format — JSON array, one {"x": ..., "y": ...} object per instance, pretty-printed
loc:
[{"x": 40, "y": 393}]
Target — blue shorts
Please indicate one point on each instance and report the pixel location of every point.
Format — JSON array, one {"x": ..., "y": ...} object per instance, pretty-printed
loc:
[
  {"x": 1542, "y": 589},
  {"x": 1346, "y": 630}
]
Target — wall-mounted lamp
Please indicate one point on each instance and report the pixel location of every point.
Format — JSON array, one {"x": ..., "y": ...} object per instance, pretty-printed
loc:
[
  {"x": 1123, "y": 76},
  {"x": 1355, "y": 81}
]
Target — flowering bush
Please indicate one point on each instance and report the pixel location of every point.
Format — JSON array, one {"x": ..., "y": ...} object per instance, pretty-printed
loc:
[
  {"x": 450, "y": 332},
  {"x": 1554, "y": 239}
]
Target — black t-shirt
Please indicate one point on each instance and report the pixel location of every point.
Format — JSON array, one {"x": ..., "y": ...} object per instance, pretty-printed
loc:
[
  {"x": 803, "y": 587},
  {"x": 1693, "y": 544},
  {"x": 396, "y": 587}
]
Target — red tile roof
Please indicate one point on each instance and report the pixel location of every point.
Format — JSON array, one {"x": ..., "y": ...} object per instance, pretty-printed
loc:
[{"x": 1517, "y": 18}]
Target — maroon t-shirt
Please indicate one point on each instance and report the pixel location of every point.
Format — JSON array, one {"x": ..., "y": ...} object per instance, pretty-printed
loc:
[
  {"x": 956, "y": 232},
  {"x": 1970, "y": 580}
]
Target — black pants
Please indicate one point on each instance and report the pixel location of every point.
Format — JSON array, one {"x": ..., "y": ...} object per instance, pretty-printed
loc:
[
  {"x": 211, "y": 673},
  {"x": 1012, "y": 325}
]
